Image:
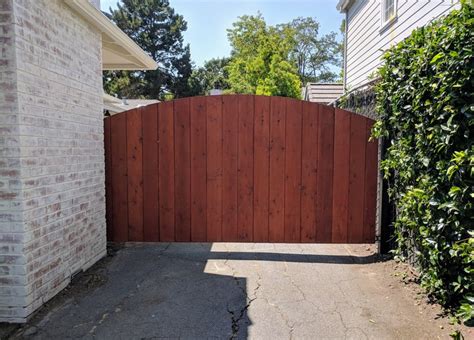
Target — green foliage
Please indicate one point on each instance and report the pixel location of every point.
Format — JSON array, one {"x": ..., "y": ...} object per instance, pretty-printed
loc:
[
  {"x": 425, "y": 103},
  {"x": 260, "y": 61},
  {"x": 156, "y": 28},
  {"x": 213, "y": 75},
  {"x": 315, "y": 54}
]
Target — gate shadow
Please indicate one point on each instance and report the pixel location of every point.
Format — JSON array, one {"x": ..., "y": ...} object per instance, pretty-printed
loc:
[{"x": 170, "y": 290}]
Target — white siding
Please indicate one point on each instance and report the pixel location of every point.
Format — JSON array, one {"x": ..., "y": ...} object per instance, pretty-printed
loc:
[
  {"x": 322, "y": 93},
  {"x": 367, "y": 41}
]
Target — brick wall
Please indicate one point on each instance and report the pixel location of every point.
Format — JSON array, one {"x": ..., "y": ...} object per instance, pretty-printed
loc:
[{"x": 52, "y": 167}]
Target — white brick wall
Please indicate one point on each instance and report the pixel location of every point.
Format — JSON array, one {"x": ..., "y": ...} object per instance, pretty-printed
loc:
[{"x": 52, "y": 211}]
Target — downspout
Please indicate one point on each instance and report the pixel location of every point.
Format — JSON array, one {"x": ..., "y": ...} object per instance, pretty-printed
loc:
[{"x": 346, "y": 30}]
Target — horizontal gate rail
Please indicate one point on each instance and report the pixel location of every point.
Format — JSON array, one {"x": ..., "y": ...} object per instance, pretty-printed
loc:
[{"x": 240, "y": 168}]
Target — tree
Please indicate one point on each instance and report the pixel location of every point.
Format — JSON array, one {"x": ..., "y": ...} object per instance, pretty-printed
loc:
[
  {"x": 213, "y": 75},
  {"x": 315, "y": 55},
  {"x": 156, "y": 28},
  {"x": 260, "y": 58}
]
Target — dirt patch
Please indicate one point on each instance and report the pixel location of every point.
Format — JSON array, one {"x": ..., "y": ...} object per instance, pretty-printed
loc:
[
  {"x": 80, "y": 285},
  {"x": 403, "y": 277}
]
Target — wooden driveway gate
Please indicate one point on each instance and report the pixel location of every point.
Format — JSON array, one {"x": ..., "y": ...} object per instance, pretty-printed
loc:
[{"x": 240, "y": 168}]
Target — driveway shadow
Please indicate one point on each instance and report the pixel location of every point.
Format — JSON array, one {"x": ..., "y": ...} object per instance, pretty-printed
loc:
[{"x": 162, "y": 290}]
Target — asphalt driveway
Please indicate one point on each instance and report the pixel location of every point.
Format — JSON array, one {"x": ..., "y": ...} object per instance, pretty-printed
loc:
[{"x": 224, "y": 291}]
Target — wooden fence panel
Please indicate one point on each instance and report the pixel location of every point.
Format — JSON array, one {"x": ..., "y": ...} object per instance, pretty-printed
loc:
[
  {"x": 342, "y": 140},
  {"x": 151, "y": 206},
  {"x": 230, "y": 130},
  {"x": 198, "y": 169},
  {"x": 182, "y": 170},
  {"x": 262, "y": 166},
  {"x": 214, "y": 168},
  {"x": 309, "y": 163},
  {"x": 277, "y": 170},
  {"x": 240, "y": 168},
  {"x": 166, "y": 171}
]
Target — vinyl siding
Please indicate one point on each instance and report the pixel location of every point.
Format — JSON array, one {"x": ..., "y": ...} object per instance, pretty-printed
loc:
[
  {"x": 322, "y": 93},
  {"x": 367, "y": 40}
]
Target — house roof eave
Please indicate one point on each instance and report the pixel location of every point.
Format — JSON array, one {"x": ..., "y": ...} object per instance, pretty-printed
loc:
[
  {"x": 343, "y": 5},
  {"x": 122, "y": 52}
]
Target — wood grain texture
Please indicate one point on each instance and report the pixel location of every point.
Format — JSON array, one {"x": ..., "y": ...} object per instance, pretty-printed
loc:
[
  {"x": 198, "y": 169},
  {"x": 240, "y": 168},
  {"x": 293, "y": 170},
  {"x": 277, "y": 170},
  {"x": 119, "y": 177},
  {"x": 262, "y": 167},
  {"x": 325, "y": 174},
  {"x": 230, "y": 141},
  {"x": 214, "y": 168},
  {"x": 182, "y": 170},
  {"x": 342, "y": 138},
  {"x": 309, "y": 171},
  {"x": 245, "y": 169},
  {"x": 166, "y": 171},
  {"x": 357, "y": 179},
  {"x": 151, "y": 207}
]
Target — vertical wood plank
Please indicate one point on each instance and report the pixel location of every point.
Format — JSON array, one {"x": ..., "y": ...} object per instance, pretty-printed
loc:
[
  {"x": 356, "y": 179},
  {"x": 309, "y": 171},
  {"x": 108, "y": 179},
  {"x": 229, "y": 166},
  {"x": 182, "y": 170},
  {"x": 293, "y": 170},
  {"x": 370, "y": 199},
  {"x": 261, "y": 173},
  {"x": 166, "y": 171},
  {"x": 119, "y": 177},
  {"x": 214, "y": 168},
  {"x": 342, "y": 138},
  {"x": 198, "y": 169},
  {"x": 325, "y": 174},
  {"x": 245, "y": 166},
  {"x": 135, "y": 175},
  {"x": 277, "y": 170},
  {"x": 151, "y": 208}
]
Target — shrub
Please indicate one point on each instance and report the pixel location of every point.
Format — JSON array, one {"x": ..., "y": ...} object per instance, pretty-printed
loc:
[{"x": 425, "y": 105}]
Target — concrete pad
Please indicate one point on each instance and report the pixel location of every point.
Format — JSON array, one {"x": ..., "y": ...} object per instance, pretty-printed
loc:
[{"x": 236, "y": 291}]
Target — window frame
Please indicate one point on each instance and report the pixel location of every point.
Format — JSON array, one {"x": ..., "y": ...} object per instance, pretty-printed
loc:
[{"x": 383, "y": 6}]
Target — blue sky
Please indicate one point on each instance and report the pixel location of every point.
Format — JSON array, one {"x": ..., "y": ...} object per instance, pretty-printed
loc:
[{"x": 209, "y": 19}]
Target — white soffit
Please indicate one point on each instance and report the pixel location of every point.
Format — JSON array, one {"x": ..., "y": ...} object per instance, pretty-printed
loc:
[{"x": 119, "y": 52}]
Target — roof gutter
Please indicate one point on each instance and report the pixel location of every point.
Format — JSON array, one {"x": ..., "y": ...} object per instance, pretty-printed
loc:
[
  {"x": 95, "y": 17},
  {"x": 343, "y": 5}
]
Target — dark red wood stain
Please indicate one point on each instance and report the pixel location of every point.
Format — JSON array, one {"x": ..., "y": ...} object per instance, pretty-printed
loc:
[
  {"x": 325, "y": 174},
  {"x": 230, "y": 140},
  {"x": 182, "y": 170},
  {"x": 309, "y": 172},
  {"x": 245, "y": 169},
  {"x": 166, "y": 171},
  {"x": 240, "y": 168},
  {"x": 198, "y": 169},
  {"x": 277, "y": 170},
  {"x": 120, "y": 201},
  {"x": 356, "y": 179},
  {"x": 262, "y": 167},
  {"x": 214, "y": 168},
  {"x": 342, "y": 138},
  {"x": 151, "y": 208},
  {"x": 293, "y": 171}
]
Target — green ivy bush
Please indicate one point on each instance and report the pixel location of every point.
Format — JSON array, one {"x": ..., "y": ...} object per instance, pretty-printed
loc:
[{"x": 425, "y": 105}]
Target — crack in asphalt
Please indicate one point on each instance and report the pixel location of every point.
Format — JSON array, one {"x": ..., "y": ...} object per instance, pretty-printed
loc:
[{"x": 238, "y": 315}]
